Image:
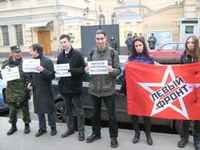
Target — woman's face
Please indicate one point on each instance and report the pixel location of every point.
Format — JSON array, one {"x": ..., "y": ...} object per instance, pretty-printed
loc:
[
  {"x": 190, "y": 44},
  {"x": 139, "y": 47}
]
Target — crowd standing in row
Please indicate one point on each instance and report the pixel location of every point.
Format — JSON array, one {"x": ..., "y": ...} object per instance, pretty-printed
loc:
[{"x": 101, "y": 89}]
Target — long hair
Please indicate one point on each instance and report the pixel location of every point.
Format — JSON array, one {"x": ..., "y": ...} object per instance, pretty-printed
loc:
[
  {"x": 145, "y": 50},
  {"x": 195, "y": 52}
]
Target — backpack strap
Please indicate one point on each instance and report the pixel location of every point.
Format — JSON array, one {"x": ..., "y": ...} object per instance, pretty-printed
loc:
[{"x": 91, "y": 55}]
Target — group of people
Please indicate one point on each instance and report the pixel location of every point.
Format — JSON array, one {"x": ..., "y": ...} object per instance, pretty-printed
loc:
[
  {"x": 190, "y": 55},
  {"x": 101, "y": 89}
]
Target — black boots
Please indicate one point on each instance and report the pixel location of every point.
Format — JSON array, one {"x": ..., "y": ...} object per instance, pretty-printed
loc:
[
  {"x": 40, "y": 132},
  {"x": 67, "y": 133},
  {"x": 196, "y": 139},
  {"x": 136, "y": 137},
  {"x": 183, "y": 142},
  {"x": 53, "y": 131},
  {"x": 27, "y": 129},
  {"x": 81, "y": 136},
  {"x": 148, "y": 138},
  {"x": 93, "y": 137},
  {"x": 12, "y": 130},
  {"x": 114, "y": 142}
]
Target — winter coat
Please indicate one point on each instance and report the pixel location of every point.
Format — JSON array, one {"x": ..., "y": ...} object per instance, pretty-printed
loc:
[
  {"x": 141, "y": 58},
  {"x": 42, "y": 88},
  {"x": 187, "y": 59},
  {"x": 73, "y": 84},
  {"x": 104, "y": 85}
]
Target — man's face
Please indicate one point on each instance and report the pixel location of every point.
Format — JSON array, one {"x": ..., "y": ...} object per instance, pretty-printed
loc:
[
  {"x": 101, "y": 40},
  {"x": 65, "y": 43},
  {"x": 16, "y": 56},
  {"x": 33, "y": 53}
]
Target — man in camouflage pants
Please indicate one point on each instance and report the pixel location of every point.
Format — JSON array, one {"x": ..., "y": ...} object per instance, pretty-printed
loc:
[{"x": 17, "y": 94}]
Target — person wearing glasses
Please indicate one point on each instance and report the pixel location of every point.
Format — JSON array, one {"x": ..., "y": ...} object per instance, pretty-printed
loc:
[{"x": 102, "y": 88}]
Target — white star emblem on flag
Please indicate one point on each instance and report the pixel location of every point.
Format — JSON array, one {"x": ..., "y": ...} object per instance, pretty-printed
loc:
[{"x": 168, "y": 73}]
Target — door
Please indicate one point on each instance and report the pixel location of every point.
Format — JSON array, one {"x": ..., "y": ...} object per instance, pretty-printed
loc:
[{"x": 44, "y": 40}]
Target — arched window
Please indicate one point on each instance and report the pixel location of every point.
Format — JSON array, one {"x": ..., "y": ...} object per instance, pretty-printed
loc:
[
  {"x": 102, "y": 20},
  {"x": 114, "y": 18}
]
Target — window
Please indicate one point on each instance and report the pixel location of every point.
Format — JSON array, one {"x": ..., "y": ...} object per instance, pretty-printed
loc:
[
  {"x": 19, "y": 34},
  {"x": 5, "y": 35},
  {"x": 101, "y": 19},
  {"x": 170, "y": 46},
  {"x": 189, "y": 29},
  {"x": 114, "y": 18}
]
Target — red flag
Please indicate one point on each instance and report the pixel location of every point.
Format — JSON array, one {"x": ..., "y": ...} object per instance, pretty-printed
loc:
[{"x": 163, "y": 91}]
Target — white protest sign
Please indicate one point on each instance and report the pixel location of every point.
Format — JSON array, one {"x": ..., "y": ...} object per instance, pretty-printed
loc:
[
  {"x": 99, "y": 67},
  {"x": 62, "y": 70},
  {"x": 10, "y": 73},
  {"x": 29, "y": 65}
]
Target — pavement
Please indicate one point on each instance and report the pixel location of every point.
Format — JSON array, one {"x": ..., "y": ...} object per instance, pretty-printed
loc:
[{"x": 20, "y": 141}]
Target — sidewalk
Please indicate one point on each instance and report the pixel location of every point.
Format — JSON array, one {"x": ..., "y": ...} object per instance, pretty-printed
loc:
[{"x": 19, "y": 141}]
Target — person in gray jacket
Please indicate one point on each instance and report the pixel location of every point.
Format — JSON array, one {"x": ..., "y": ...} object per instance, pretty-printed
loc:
[{"x": 102, "y": 88}]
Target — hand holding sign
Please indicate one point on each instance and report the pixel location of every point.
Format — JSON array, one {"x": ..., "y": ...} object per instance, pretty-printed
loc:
[
  {"x": 110, "y": 68},
  {"x": 39, "y": 68}
]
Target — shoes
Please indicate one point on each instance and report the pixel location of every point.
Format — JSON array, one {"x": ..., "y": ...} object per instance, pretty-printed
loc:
[
  {"x": 67, "y": 133},
  {"x": 27, "y": 129},
  {"x": 149, "y": 140},
  {"x": 53, "y": 131},
  {"x": 40, "y": 132},
  {"x": 182, "y": 143},
  {"x": 136, "y": 137},
  {"x": 197, "y": 147},
  {"x": 114, "y": 142},
  {"x": 12, "y": 130},
  {"x": 81, "y": 136},
  {"x": 93, "y": 137},
  {"x": 196, "y": 142}
]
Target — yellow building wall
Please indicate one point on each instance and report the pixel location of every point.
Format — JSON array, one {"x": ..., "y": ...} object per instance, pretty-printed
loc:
[{"x": 165, "y": 20}]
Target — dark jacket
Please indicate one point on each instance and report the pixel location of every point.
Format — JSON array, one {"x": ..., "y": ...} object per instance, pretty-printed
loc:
[
  {"x": 73, "y": 84},
  {"x": 42, "y": 87},
  {"x": 104, "y": 85},
  {"x": 187, "y": 59},
  {"x": 139, "y": 58}
]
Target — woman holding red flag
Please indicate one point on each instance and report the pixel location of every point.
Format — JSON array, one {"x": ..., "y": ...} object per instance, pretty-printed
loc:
[
  {"x": 190, "y": 55},
  {"x": 140, "y": 54}
]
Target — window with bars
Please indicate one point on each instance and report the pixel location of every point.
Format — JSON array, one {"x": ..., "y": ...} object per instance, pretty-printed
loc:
[
  {"x": 19, "y": 34},
  {"x": 102, "y": 20},
  {"x": 114, "y": 18},
  {"x": 5, "y": 35}
]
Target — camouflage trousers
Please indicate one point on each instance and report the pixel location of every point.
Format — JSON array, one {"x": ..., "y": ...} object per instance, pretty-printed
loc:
[{"x": 14, "y": 109}]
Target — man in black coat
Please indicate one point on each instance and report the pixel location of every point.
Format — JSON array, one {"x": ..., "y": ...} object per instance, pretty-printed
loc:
[
  {"x": 71, "y": 86},
  {"x": 42, "y": 91}
]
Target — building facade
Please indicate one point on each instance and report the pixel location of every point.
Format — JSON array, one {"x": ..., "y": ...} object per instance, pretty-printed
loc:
[{"x": 25, "y": 22}]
